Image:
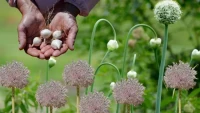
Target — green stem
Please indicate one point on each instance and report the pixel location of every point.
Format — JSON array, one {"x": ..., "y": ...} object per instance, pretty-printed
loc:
[
  {"x": 117, "y": 109},
  {"x": 13, "y": 100},
  {"x": 132, "y": 109},
  {"x": 126, "y": 43},
  {"x": 51, "y": 109},
  {"x": 179, "y": 101},
  {"x": 128, "y": 108},
  {"x": 77, "y": 98},
  {"x": 161, "y": 71},
  {"x": 134, "y": 58},
  {"x": 109, "y": 94},
  {"x": 156, "y": 56},
  {"x": 176, "y": 104},
  {"x": 106, "y": 63},
  {"x": 47, "y": 78},
  {"x": 105, "y": 56},
  {"x": 92, "y": 41}
]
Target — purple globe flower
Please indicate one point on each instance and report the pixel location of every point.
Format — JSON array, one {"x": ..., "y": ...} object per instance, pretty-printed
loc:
[
  {"x": 79, "y": 74},
  {"x": 180, "y": 76},
  {"x": 129, "y": 92},
  {"x": 51, "y": 94},
  {"x": 14, "y": 74},
  {"x": 94, "y": 103}
]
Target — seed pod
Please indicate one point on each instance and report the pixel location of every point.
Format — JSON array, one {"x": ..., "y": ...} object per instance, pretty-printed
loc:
[
  {"x": 56, "y": 44},
  {"x": 36, "y": 41},
  {"x": 57, "y": 34},
  {"x": 46, "y": 33}
]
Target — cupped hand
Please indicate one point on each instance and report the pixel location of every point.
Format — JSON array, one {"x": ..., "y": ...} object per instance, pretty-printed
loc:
[
  {"x": 31, "y": 24},
  {"x": 66, "y": 23}
]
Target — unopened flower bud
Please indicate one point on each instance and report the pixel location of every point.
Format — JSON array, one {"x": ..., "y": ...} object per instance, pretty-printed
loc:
[
  {"x": 155, "y": 42},
  {"x": 195, "y": 54},
  {"x": 46, "y": 33},
  {"x": 52, "y": 62},
  {"x": 188, "y": 108},
  {"x": 36, "y": 41},
  {"x": 57, "y": 34},
  {"x": 112, "y": 45},
  {"x": 112, "y": 85},
  {"x": 131, "y": 74},
  {"x": 56, "y": 44}
]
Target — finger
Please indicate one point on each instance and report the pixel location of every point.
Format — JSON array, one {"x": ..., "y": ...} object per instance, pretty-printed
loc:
[
  {"x": 41, "y": 56},
  {"x": 43, "y": 45},
  {"x": 33, "y": 52},
  {"x": 45, "y": 48},
  {"x": 71, "y": 37},
  {"x": 57, "y": 53},
  {"x": 48, "y": 53},
  {"x": 21, "y": 37}
]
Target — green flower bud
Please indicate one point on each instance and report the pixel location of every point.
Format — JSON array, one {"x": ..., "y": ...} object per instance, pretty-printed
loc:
[
  {"x": 195, "y": 54},
  {"x": 52, "y": 62}
]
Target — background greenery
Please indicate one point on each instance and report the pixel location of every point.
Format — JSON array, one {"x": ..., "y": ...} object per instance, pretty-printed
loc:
[{"x": 183, "y": 37}]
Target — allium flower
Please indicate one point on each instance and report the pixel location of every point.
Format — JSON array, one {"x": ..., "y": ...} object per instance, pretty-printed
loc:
[
  {"x": 167, "y": 11},
  {"x": 94, "y": 103},
  {"x": 180, "y": 76},
  {"x": 78, "y": 73},
  {"x": 129, "y": 92},
  {"x": 14, "y": 74},
  {"x": 51, "y": 94}
]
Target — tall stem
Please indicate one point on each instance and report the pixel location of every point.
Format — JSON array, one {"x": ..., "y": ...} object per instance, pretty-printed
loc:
[
  {"x": 128, "y": 108},
  {"x": 156, "y": 56},
  {"x": 47, "y": 78},
  {"x": 131, "y": 108},
  {"x": 115, "y": 67},
  {"x": 126, "y": 43},
  {"x": 77, "y": 98},
  {"x": 51, "y": 109},
  {"x": 161, "y": 71},
  {"x": 117, "y": 109},
  {"x": 92, "y": 41},
  {"x": 13, "y": 100},
  {"x": 179, "y": 101},
  {"x": 105, "y": 56}
]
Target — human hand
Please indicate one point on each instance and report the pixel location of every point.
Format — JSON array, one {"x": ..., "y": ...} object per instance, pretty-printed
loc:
[{"x": 31, "y": 24}]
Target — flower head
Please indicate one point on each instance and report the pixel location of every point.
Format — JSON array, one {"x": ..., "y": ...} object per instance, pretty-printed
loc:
[
  {"x": 167, "y": 11},
  {"x": 112, "y": 45},
  {"x": 14, "y": 74},
  {"x": 129, "y": 92},
  {"x": 180, "y": 76},
  {"x": 51, "y": 94},
  {"x": 94, "y": 103},
  {"x": 78, "y": 73}
]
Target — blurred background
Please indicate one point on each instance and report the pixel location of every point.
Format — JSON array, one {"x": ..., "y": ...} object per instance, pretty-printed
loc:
[{"x": 184, "y": 36}]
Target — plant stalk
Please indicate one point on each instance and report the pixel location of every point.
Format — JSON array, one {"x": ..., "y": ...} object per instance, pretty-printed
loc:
[
  {"x": 77, "y": 98},
  {"x": 179, "y": 101},
  {"x": 131, "y": 108},
  {"x": 13, "y": 100},
  {"x": 117, "y": 109},
  {"x": 47, "y": 78},
  {"x": 128, "y": 108},
  {"x": 161, "y": 71},
  {"x": 51, "y": 109}
]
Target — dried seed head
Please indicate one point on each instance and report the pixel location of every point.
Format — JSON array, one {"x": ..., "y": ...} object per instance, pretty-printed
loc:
[
  {"x": 14, "y": 74},
  {"x": 167, "y": 11},
  {"x": 180, "y": 76},
  {"x": 78, "y": 73},
  {"x": 129, "y": 92},
  {"x": 94, "y": 103},
  {"x": 51, "y": 94}
]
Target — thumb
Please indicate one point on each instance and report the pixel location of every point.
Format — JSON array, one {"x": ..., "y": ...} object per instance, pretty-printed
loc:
[
  {"x": 21, "y": 37},
  {"x": 71, "y": 37}
]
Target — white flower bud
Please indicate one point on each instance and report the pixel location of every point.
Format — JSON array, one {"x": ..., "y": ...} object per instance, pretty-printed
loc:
[
  {"x": 131, "y": 74},
  {"x": 195, "y": 54},
  {"x": 155, "y": 42},
  {"x": 57, "y": 34},
  {"x": 112, "y": 85},
  {"x": 52, "y": 62},
  {"x": 46, "y": 33},
  {"x": 37, "y": 41},
  {"x": 56, "y": 44},
  {"x": 112, "y": 45}
]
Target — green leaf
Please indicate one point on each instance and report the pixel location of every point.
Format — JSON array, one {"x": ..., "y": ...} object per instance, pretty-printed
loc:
[{"x": 194, "y": 93}]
